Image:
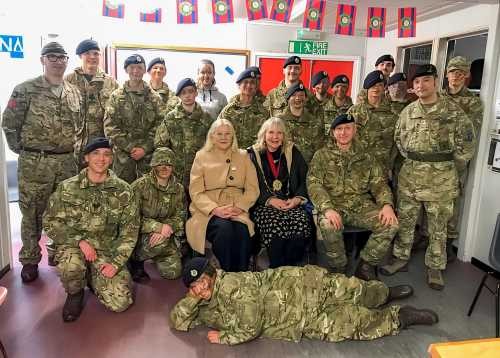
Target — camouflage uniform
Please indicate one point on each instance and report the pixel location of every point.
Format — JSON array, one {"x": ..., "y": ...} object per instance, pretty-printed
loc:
[
  {"x": 245, "y": 119},
  {"x": 397, "y": 107},
  {"x": 306, "y": 131},
  {"x": 436, "y": 142},
  {"x": 160, "y": 205},
  {"x": 375, "y": 130},
  {"x": 332, "y": 111},
  {"x": 290, "y": 303},
  {"x": 168, "y": 98},
  {"x": 40, "y": 127},
  {"x": 106, "y": 216},
  {"x": 353, "y": 185},
  {"x": 277, "y": 104},
  {"x": 95, "y": 94},
  {"x": 130, "y": 121},
  {"x": 259, "y": 96},
  {"x": 184, "y": 133}
]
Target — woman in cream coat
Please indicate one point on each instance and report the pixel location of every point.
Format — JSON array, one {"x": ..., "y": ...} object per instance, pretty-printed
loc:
[{"x": 223, "y": 187}]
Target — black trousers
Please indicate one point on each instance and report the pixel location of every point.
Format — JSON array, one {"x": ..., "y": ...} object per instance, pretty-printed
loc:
[
  {"x": 286, "y": 252},
  {"x": 230, "y": 243}
]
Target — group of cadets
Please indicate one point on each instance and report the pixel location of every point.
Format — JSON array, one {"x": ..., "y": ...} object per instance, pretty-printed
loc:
[{"x": 381, "y": 164}]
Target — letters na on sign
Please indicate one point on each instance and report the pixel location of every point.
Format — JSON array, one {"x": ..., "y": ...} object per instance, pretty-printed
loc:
[{"x": 13, "y": 44}]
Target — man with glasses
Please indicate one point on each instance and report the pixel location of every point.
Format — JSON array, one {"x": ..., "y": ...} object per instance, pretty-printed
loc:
[{"x": 39, "y": 124}]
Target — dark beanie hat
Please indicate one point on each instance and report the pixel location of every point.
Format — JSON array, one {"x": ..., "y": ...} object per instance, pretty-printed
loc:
[
  {"x": 292, "y": 60},
  {"x": 425, "y": 70},
  {"x": 340, "y": 79},
  {"x": 384, "y": 58},
  {"x": 373, "y": 78},
  {"x": 297, "y": 87},
  {"x": 134, "y": 59},
  {"x": 186, "y": 82},
  {"x": 53, "y": 47},
  {"x": 154, "y": 61},
  {"x": 193, "y": 269},
  {"x": 248, "y": 73},
  {"x": 397, "y": 77},
  {"x": 87, "y": 45},
  {"x": 97, "y": 143},
  {"x": 318, "y": 77},
  {"x": 342, "y": 119}
]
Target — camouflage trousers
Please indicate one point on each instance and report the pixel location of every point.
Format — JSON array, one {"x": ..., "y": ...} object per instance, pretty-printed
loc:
[
  {"x": 438, "y": 213},
  {"x": 349, "y": 310},
  {"x": 129, "y": 169},
  {"x": 331, "y": 245},
  {"x": 75, "y": 273},
  {"x": 166, "y": 256},
  {"x": 38, "y": 175}
]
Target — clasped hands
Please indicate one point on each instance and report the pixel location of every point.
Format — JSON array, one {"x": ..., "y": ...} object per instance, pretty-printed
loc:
[
  {"x": 386, "y": 216},
  {"x": 227, "y": 211},
  {"x": 106, "y": 269},
  {"x": 285, "y": 205}
]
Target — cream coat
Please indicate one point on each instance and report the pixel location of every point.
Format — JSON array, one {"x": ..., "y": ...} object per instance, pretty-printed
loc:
[{"x": 219, "y": 179}]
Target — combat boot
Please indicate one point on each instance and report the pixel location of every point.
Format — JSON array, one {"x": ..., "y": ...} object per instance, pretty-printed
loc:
[
  {"x": 450, "y": 253},
  {"x": 137, "y": 271},
  {"x": 394, "y": 265},
  {"x": 435, "y": 279},
  {"x": 409, "y": 316},
  {"x": 73, "y": 306},
  {"x": 365, "y": 271},
  {"x": 399, "y": 292},
  {"x": 29, "y": 273}
]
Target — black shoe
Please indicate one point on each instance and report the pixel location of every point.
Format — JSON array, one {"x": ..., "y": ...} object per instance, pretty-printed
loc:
[
  {"x": 399, "y": 292},
  {"x": 450, "y": 253},
  {"x": 29, "y": 273},
  {"x": 73, "y": 307},
  {"x": 137, "y": 271},
  {"x": 365, "y": 271},
  {"x": 51, "y": 260},
  {"x": 409, "y": 316}
]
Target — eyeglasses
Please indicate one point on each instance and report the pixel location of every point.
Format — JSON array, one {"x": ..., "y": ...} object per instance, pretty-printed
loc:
[{"x": 57, "y": 58}]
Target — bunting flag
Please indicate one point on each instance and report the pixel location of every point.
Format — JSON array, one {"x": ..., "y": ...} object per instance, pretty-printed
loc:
[
  {"x": 407, "y": 22},
  {"x": 281, "y": 10},
  {"x": 187, "y": 11},
  {"x": 256, "y": 9},
  {"x": 375, "y": 22},
  {"x": 222, "y": 11},
  {"x": 314, "y": 14},
  {"x": 153, "y": 16},
  {"x": 112, "y": 9},
  {"x": 346, "y": 19}
]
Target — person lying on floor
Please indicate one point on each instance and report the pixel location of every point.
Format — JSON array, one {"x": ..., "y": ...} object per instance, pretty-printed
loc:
[{"x": 290, "y": 303}]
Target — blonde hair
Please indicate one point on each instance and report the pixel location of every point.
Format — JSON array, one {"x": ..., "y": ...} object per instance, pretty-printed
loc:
[
  {"x": 209, "y": 143},
  {"x": 260, "y": 143},
  {"x": 202, "y": 63}
]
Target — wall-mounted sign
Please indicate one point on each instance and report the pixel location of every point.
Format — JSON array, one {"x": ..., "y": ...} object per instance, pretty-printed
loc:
[
  {"x": 308, "y": 47},
  {"x": 13, "y": 44}
]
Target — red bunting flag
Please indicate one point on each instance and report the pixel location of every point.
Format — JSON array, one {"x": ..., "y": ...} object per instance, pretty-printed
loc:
[
  {"x": 187, "y": 11},
  {"x": 153, "y": 16},
  {"x": 112, "y": 9},
  {"x": 375, "y": 22},
  {"x": 256, "y": 9},
  {"x": 314, "y": 14},
  {"x": 222, "y": 11},
  {"x": 407, "y": 22},
  {"x": 281, "y": 10},
  {"x": 346, "y": 19}
]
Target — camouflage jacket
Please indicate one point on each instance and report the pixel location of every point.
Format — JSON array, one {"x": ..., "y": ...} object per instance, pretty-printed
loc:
[
  {"x": 470, "y": 104},
  {"x": 103, "y": 214},
  {"x": 342, "y": 181},
  {"x": 332, "y": 111},
  {"x": 306, "y": 131},
  {"x": 440, "y": 129},
  {"x": 95, "y": 93},
  {"x": 276, "y": 102},
  {"x": 132, "y": 117},
  {"x": 168, "y": 98},
  {"x": 375, "y": 130},
  {"x": 275, "y": 303},
  {"x": 35, "y": 118},
  {"x": 160, "y": 205},
  {"x": 184, "y": 133},
  {"x": 246, "y": 120},
  {"x": 259, "y": 96},
  {"x": 397, "y": 107}
]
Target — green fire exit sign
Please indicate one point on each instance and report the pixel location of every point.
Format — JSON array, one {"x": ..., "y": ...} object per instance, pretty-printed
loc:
[{"x": 308, "y": 47}]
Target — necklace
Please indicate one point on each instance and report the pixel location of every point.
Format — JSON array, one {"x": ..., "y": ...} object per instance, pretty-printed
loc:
[{"x": 275, "y": 169}]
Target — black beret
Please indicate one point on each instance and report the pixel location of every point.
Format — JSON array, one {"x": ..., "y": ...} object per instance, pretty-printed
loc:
[
  {"x": 292, "y": 60},
  {"x": 193, "y": 269},
  {"x": 373, "y": 78},
  {"x": 384, "y": 58},
  {"x": 342, "y": 119},
  {"x": 186, "y": 82},
  {"x": 425, "y": 70},
  {"x": 248, "y": 73},
  {"x": 134, "y": 59},
  {"x": 96, "y": 143},
  {"x": 256, "y": 69},
  {"x": 154, "y": 61},
  {"x": 53, "y": 47},
  {"x": 294, "y": 88},
  {"x": 340, "y": 79},
  {"x": 318, "y": 77},
  {"x": 87, "y": 45},
  {"x": 397, "y": 77}
]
